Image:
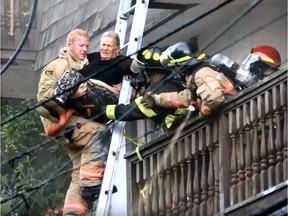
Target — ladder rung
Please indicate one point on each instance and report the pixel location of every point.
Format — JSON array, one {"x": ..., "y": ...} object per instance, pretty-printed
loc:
[
  {"x": 124, "y": 46},
  {"x": 125, "y": 13}
]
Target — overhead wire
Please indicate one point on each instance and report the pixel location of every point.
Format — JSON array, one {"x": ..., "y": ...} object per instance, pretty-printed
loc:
[
  {"x": 120, "y": 117},
  {"x": 40, "y": 145},
  {"x": 29, "y": 109},
  {"x": 127, "y": 112},
  {"x": 23, "y": 40},
  {"x": 208, "y": 12},
  {"x": 233, "y": 22}
]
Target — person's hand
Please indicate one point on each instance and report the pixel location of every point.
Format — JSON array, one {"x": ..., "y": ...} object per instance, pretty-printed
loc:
[
  {"x": 149, "y": 100},
  {"x": 62, "y": 53},
  {"x": 81, "y": 90},
  {"x": 117, "y": 87}
]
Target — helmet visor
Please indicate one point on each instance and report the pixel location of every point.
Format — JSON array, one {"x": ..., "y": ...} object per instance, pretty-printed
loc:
[
  {"x": 137, "y": 66},
  {"x": 251, "y": 58},
  {"x": 167, "y": 60}
]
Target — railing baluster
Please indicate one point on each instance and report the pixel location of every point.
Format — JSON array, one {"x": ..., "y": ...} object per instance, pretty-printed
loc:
[
  {"x": 182, "y": 189},
  {"x": 240, "y": 151},
  {"x": 175, "y": 194},
  {"x": 283, "y": 102},
  {"x": 18, "y": 23},
  {"x": 154, "y": 179},
  {"x": 203, "y": 177},
  {"x": 147, "y": 186},
  {"x": 215, "y": 157},
  {"x": 161, "y": 187},
  {"x": 196, "y": 180},
  {"x": 255, "y": 148},
  {"x": 4, "y": 27},
  {"x": 271, "y": 140},
  {"x": 263, "y": 148},
  {"x": 168, "y": 193},
  {"x": 234, "y": 165},
  {"x": 248, "y": 151},
  {"x": 210, "y": 179},
  {"x": 140, "y": 184},
  {"x": 189, "y": 179}
]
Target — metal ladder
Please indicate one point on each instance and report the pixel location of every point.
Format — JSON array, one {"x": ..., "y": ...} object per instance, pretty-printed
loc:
[{"x": 116, "y": 204}]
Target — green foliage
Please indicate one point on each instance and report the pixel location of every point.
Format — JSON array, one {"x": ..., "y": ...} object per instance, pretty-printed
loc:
[{"x": 27, "y": 174}]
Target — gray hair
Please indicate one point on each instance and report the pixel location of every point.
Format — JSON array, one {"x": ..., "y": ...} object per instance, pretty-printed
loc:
[{"x": 113, "y": 35}]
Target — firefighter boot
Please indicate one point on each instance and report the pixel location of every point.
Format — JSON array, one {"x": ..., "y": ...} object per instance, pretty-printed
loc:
[
  {"x": 51, "y": 110},
  {"x": 92, "y": 193}
]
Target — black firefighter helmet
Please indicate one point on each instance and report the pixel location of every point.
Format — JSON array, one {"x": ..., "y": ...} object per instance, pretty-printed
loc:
[
  {"x": 148, "y": 60},
  {"x": 181, "y": 55}
]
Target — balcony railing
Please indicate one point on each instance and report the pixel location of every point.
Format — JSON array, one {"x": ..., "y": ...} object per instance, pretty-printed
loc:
[
  {"x": 14, "y": 20},
  {"x": 212, "y": 166}
]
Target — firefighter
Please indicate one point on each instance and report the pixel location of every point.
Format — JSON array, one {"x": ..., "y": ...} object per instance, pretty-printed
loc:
[
  {"x": 210, "y": 84},
  {"x": 105, "y": 70},
  {"x": 86, "y": 141},
  {"x": 147, "y": 62}
]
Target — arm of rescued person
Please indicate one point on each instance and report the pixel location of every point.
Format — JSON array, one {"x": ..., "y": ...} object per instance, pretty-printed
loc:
[
  {"x": 80, "y": 91},
  {"x": 105, "y": 85},
  {"x": 117, "y": 87}
]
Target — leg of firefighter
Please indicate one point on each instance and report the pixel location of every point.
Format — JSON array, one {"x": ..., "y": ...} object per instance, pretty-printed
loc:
[
  {"x": 87, "y": 172},
  {"x": 93, "y": 164},
  {"x": 75, "y": 204}
]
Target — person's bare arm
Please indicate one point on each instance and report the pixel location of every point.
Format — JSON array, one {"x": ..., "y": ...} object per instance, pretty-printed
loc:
[{"x": 113, "y": 89}]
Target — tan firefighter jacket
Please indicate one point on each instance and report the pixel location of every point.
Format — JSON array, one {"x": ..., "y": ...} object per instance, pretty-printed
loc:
[{"x": 50, "y": 74}]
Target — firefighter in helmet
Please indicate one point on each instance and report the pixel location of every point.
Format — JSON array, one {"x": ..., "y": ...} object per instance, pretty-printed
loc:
[
  {"x": 263, "y": 61},
  {"x": 206, "y": 83},
  {"x": 158, "y": 79}
]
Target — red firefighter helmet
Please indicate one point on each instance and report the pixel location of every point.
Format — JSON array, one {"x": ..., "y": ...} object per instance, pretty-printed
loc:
[
  {"x": 263, "y": 60},
  {"x": 266, "y": 54}
]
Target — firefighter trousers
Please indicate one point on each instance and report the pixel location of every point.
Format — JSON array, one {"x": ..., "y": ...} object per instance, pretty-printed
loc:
[{"x": 87, "y": 143}]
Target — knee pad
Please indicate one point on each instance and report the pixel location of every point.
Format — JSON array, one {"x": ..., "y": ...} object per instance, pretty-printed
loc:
[{"x": 92, "y": 193}]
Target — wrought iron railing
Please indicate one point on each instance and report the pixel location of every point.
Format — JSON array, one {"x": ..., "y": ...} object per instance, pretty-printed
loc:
[{"x": 211, "y": 165}]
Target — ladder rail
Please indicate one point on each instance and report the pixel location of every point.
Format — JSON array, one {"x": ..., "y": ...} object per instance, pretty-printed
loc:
[{"x": 118, "y": 143}]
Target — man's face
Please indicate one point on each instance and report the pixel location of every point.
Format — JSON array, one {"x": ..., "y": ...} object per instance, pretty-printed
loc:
[
  {"x": 79, "y": 47},
  {"x": 108, "y": 48}
]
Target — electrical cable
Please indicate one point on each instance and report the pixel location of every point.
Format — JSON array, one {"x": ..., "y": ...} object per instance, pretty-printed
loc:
[
  {"x": 284, "y": 15},
  {"x": 117, "y": 62},
  {"x": 23, "y": 40},
  {"x": 69, "y": 161},
  {"x": 233, "y": 22},
  {"x": 168, "y": 77},
  {"x": 37, "y": 147}
]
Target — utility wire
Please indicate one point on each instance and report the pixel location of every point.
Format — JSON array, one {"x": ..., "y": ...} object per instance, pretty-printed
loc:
[
  {"x": 28, "y": 109},
  {"x": 23, "y": 40},
  {"x": 50, "y": 179},
  {"x": 163, "y": 81},
  {"x": 168, "y": 77},
  {"x": 233, "y": 22},
  {"x": 284, "y": 15}
]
